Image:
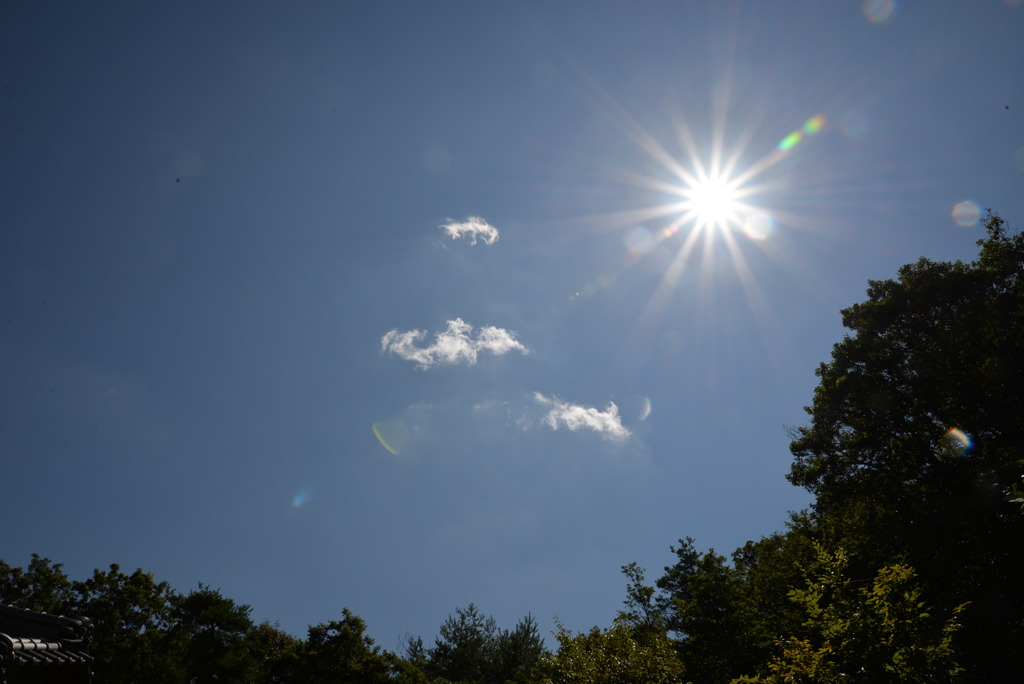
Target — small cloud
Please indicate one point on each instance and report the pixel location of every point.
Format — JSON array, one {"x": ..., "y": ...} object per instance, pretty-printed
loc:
[
  {"x": 474, "y": 227},
  {"x": 607, "y": 423},
  {"x": 454, "y": 345}
]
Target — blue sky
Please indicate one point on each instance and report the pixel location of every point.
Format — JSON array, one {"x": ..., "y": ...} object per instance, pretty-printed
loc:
[{"x": 575, "y": 261}]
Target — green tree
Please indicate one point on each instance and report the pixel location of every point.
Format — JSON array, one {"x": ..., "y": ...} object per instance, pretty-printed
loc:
[
  {"x": 674, "y": 585},
  {"x": 717, "y": 620},
  {"x": 213, "y": 629},
  {"x": 517, "y": 653},
  {"x": 133, "y": 614},
  {"x": 707, "y": 603},
  {"x": 621, "y": 654},
  {"x": 340, "y": 651},
  {"x": 276, "y": 654},
  {"x": 42, "y": 587},
  {"x": 415, "y": 651},
  {"x": 643, "y": 612},
  {"x": 725, "y": 617},
  {"x": 470, "y": 649},
  {"x": 855, "y": 632},
  {"x": 768, "y": 569},
  {"x": 915, "y": 437},
  {"x": 464, "y": 650}
]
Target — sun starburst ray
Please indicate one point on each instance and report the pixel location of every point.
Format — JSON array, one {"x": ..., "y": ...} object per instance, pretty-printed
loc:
[{"x": 714, "y": 210}]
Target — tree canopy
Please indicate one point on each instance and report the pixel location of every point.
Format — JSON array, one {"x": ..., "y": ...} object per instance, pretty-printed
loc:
[
  {"x": 916, "y": 435},
  {"x": 858, "y": 632},
  {"x": 621, "y": 654},
  {"x": 906, "y": 568}
]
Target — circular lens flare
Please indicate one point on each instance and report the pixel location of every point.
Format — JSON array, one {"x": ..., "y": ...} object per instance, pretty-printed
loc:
[
  {"x": 758, "y": 225},
  {"x": 966, "y": 213},
  {"x": 878, "y": 11},
  {"x": 956, "y": 443},
  {"x": 391, "y": 433}
]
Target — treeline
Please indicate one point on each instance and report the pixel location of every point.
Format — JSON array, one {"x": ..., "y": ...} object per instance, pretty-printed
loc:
[
  {"x": 906, "y": 568},
  {"x": 146, "y": 632}
]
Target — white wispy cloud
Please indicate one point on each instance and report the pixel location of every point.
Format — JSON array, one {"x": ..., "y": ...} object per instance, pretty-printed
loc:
[
  {"x": 473, "y": 227},
  {"x": 607, "y": 423},
  {"x": 454, "y": 345}
]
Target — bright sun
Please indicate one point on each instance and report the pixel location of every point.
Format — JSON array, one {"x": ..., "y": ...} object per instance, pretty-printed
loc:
[{"x": 712, "y": 201}]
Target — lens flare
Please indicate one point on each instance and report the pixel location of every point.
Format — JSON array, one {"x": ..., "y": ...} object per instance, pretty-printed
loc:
[
  {"x": 956, "y": 443},
  {"x": 812, "y": 126},
  {"x": 758, "y": 225},
  {"x": 593, "y": 287},
  {"x": 711, "y": 200},
  {"x": 791, "y": 140},
  {"x": 639, "y": 241},
  {"x": 392, "y": 434},
  {"x": 966, "y": 213},
  {"x": 711, "y": 185},
  {"x": 302, "y": 497},
  {"x": 1018, "y": 158},
  {"x": 645, "y": 409},
  {"x": 636, "y": 407},
  {"x": 878, "y": 11}
]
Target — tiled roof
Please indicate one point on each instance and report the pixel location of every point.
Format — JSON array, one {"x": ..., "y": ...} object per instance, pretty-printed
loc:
[
  {"x": 31, "y": 638},
  {"x": 25, "y": 651}
]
